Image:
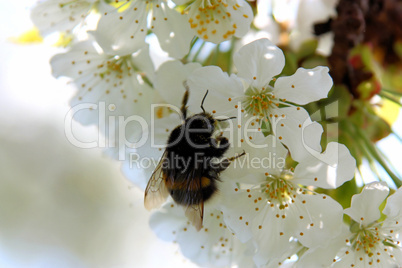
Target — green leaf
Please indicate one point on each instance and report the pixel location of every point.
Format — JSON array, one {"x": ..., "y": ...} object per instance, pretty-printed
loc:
[
  {"x": 307, "y": 49},
  {"x": 291, "y": 63},
  {"x": 314, "y": 61}
]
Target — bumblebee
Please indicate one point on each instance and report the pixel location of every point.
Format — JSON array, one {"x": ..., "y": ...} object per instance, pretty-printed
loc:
[{"x": 188, "y": 170}]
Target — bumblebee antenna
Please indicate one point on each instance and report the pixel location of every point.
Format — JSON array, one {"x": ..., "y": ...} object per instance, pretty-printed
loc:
[
  {"x": 183, "y": 108},
  {"x": 224, "y": 119},
  {"x": 202, "y": 102}
]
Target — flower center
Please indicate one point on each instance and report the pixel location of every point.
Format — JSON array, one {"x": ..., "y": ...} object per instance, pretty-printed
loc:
[
  {"x": 260, "y": 102},
  {"x": 280, "y": 191},
  {"x": 372, "y": 241},
  {"x": 366, "y": 240},
  {"x": 117, "y": 66},
  {"x": 211, "y": 18}
]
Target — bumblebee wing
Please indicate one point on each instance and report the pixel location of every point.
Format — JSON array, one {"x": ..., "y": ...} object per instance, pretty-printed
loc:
[
  {"x": 156, "y": 192},
  {"x": 195, "y": 212}
]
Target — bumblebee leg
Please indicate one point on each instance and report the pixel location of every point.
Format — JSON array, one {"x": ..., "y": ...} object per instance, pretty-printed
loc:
[
  {"x": 223, "y": 141},
  {"x": 218, "y": 146},
  {"x": 225, "y": 163},
  {"x": 236, "y": 156}
]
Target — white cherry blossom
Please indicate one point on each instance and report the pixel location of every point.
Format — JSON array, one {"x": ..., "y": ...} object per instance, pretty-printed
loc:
[
  {"x": 274, "y": 210},
  {"x": 123, "y": 30},
  {"x": 107, "y": 85},
  {"x": 369, "y": 241},
  {"x": 255, "y": 92},
  {"x": 373, "y": 242}
]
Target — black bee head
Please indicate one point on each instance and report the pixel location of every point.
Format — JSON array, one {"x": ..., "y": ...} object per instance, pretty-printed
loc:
[{"x": 202, "y": 121}]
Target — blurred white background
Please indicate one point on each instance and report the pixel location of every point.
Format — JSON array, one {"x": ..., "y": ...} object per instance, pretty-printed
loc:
[{"x": 60, "y": 206}]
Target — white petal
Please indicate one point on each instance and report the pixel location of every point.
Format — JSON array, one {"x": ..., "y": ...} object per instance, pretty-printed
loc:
[
  {"x": 165, "y": 222},
  {"x": 169, "y": 80},
  {"x": 59, "y": 15},
  {"x": 327, "y": 170},
  {"x": 295, "y": 129},
  {"x": 173, "y": 32},
  {"x": 319, "y": 257},
  {"x": 272, "y": 156},
  {"x": 365, "y": 206},
  {"x": 276, "y": 149},
  {"x": 140, "y": 162},
  {"x": 397, "y": 252},
  {"x": 272, "y": 240},
  {"x": 304, "y": 86},
  {"x": 259, "y": 61},
  {"x": 222, "y": 91},
  {"x": 212, "y": 246},
  {"x": 263, "y": 155},
  {"x": 242, "y": 16},
  {"x": 69, "y": 64},
  {"x": 284, "y": 260},
  {"x": 322, "y": 220},
  {"x": 393, "y": 207},
  {"x": 143, "y": 63},
  {"x": 349, "y": 259},
  {"x": 123, "y": 32},
  {"x": 117, "y": 103},
  {"x": 238, "y": 209},
  {"x": 247, "y": 213}
]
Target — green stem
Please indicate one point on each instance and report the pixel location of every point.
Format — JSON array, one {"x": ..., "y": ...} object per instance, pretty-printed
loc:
[
  {"x": 391, "y": 98},
  {"x": 216, "y": 56},
  {"x": 143, "y": 76},
  {"x": 198, "y": 51},
  {"x": 373, "y": 150},
  {"x": 364, "y": 151},
  {"x": 195, "y": 39},
  {"x": 324, "y": 125},
  {"x": 397, "y": 136},
  {"x": 374, "y": 168},
  {"x": 230, "y": 55},
  {"x": 392, "y": 92}
]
